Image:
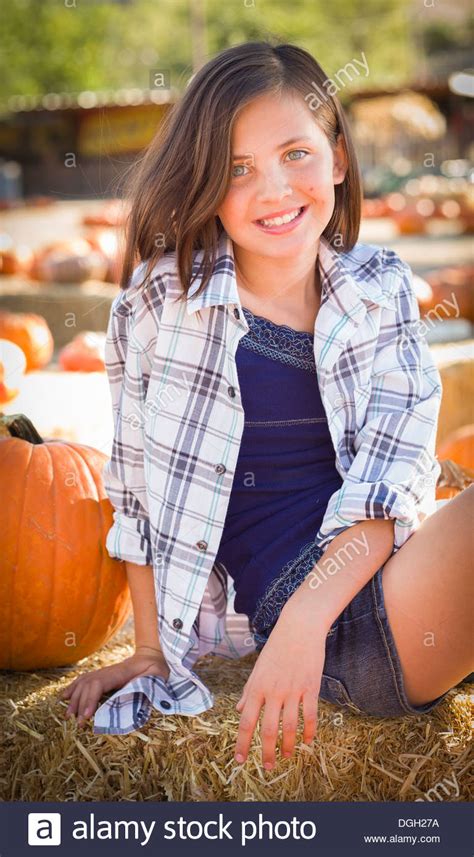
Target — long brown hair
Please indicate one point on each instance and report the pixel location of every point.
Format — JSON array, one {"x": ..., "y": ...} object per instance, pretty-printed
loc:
[{"x": 184, "y": 175}]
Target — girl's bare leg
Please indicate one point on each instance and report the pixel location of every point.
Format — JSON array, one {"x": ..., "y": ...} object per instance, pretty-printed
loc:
[{"x": 429, "y": 596}]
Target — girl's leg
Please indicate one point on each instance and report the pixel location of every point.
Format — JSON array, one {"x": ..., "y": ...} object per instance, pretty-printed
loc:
[{"x": 428, "y": 589}]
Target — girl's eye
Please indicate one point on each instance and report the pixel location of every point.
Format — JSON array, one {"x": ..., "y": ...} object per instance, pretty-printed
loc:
[
  {"x": 295, "y": 152},
  {"x": 244, "y": 167},
  {"x": 238, "y": 167}
]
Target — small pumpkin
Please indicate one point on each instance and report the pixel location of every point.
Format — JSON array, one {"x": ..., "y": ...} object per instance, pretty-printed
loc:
[
  {"x": 85, "y": 353},
  {"x": 62, "y": 596},
  {"x": 31, "y": 333}
]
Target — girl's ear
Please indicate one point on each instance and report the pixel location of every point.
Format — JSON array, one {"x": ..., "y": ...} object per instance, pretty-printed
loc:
[{"x": 340, "y": 161}]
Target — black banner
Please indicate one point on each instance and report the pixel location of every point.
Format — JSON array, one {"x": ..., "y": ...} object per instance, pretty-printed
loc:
[{"x": 340, "y": 829}]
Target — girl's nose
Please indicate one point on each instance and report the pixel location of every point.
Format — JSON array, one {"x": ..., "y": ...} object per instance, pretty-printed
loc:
[{"x": 273, "y": 187}]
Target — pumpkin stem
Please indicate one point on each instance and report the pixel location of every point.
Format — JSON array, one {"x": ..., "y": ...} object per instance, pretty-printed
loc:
[{"x": 18, "y": 425}]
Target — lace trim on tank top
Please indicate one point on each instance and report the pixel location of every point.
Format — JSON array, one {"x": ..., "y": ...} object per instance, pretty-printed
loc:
[
  {"x": 270, "y": 604},
  {"x": 279, "y": 342}
]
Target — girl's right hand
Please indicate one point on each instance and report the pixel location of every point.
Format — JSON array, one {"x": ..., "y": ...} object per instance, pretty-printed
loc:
[{"x": 86, "y": 690}]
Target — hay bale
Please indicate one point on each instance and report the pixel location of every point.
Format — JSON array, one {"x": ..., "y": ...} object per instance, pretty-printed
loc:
[{"x": 353, "y": 758}]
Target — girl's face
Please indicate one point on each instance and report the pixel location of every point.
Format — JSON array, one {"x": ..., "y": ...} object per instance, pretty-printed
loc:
[{"x": 283, "y": 161}]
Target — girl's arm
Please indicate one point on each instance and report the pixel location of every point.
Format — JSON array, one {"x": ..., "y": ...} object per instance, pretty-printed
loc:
[
  {"x": 349, "y": 562},
  {"x": 142, "y": 591},
  {"x": 86, "y": 691},
  {"x": 394, "y": 471}
]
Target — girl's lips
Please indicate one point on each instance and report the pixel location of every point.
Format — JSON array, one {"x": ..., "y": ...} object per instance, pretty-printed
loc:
[{"x": 284, "y": 227}]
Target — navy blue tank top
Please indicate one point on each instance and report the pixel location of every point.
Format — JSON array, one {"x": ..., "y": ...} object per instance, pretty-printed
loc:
[{"x": 285, "y": 471}]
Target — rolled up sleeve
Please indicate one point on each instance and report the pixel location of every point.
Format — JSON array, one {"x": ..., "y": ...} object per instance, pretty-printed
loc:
[
  {"x": 123, "y": 475},
  {"x": 394, "y": 470}
]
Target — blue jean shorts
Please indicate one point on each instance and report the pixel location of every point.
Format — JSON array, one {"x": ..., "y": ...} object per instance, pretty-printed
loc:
[{"x": 362, "y": 670}]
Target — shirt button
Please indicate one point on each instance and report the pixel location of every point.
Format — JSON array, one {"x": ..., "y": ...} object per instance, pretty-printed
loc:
[
  {"x": 236, "y": 313},
  {"x": 177, "y": 623},
  {"x": 231, "y": 392},
  {"x": 202, "y": 546},
  {"x": 220, "y": 468},
  {"x": 164, "y": 703}
]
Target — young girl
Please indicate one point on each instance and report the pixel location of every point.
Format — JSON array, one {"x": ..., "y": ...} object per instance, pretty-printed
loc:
[{"x": 273, "y": 470}]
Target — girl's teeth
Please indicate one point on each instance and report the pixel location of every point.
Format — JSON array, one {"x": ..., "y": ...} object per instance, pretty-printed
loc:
[{"x": 278, "y": 221}]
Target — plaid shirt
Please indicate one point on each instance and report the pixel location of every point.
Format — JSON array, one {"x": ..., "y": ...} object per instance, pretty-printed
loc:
[{"x": 178, "y": 422}]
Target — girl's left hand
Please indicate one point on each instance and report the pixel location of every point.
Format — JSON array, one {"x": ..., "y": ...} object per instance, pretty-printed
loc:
[{"x": 288, "y": 670}]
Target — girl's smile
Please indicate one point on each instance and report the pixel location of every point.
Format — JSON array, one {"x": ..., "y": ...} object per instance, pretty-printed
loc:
[{"x": 277, "y": 224}]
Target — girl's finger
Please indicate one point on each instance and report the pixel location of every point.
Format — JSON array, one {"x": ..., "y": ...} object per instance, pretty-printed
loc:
[
  {"x": 82, "y": 703},
  {"x": 290, "y": 725},
  {"x": 90, "y": 698},
  {"x": 269, "y": 731},
  {"x": 310, "y": 716},
  {"x": 87, "y": 704},
  {"x": 74, "y": 701},
  {"x": 247, "y": 724}
]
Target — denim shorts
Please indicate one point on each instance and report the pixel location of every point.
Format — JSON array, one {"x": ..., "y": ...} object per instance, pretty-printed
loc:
[{"x": 362, "y": 670}]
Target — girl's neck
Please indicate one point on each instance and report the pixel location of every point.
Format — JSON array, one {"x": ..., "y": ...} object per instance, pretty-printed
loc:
[{"x": 280, "y": 282}]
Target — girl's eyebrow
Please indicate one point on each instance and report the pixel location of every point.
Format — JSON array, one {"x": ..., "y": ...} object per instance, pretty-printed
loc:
[{"x": 280, "y": 146}]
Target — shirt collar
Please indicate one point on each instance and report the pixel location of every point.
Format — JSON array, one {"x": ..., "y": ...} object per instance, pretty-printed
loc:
[{"x": 349, "y": 278}]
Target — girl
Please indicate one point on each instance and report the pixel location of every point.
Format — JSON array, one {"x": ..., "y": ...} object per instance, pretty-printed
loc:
[{"x": 275, "y": 414}]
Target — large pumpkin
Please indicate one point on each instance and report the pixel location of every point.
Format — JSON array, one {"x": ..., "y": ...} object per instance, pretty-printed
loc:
[
  {"x": 31, "y": 333},
  {"x": 62, "y": 596}
]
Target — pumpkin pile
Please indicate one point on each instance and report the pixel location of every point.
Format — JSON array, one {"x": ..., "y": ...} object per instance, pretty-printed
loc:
[
  {"x": 62, "y": 596},
  {"x": 97, "y": 255},
  {"x": 26, "y": 344},
  {"x": 423, "y": 199}
]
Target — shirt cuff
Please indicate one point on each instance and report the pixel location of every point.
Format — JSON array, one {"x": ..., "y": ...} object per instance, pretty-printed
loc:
[
  {"x": 129, "y": 539},
  {"x": 356, "y": 502}
]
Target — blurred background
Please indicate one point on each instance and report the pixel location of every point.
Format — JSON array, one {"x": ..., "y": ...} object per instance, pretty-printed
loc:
[{"x": 84, "y": 84}]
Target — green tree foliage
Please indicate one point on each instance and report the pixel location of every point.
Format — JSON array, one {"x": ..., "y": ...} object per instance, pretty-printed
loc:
[{"x": 75, "y": 45}]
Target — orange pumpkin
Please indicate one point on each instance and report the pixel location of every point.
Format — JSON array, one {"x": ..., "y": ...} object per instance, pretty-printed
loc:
[
  {"x": 31, "y": 333},
  {"x": 85, "y": 353},
  {"x": 62, "y": 596}
]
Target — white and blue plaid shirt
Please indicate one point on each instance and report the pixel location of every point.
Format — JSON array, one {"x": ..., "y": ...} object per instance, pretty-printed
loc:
[{"x": 178, "y": 422}]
